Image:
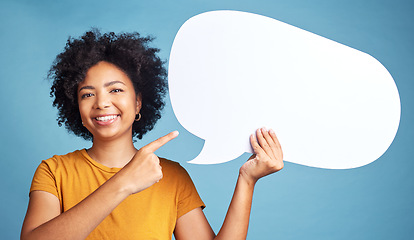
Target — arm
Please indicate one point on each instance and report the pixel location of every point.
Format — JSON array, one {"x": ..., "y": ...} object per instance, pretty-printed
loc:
[
  {"x": 268, "y": 158},
  {"x": 44, "y": 220}
]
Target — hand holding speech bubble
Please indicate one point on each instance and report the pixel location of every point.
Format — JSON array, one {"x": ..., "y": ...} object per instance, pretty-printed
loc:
[{"x": 232, "y": 72}]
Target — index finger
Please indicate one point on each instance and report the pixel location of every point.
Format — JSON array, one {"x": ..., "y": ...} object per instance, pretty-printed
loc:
[
  {"x": 255, "y": 145},
  {"x": 153, "y": 146}
]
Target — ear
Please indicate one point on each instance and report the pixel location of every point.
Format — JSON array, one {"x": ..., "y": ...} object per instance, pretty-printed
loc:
[{"x": 139, "y": 103}]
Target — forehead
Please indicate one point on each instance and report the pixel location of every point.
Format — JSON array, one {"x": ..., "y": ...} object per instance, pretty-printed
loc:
[{"x": 104, "y": 72}]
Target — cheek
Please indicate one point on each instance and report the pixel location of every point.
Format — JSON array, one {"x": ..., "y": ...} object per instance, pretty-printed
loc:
[
  {"x": 83, "y": 110},
  {"x": 128, "y": 105}
]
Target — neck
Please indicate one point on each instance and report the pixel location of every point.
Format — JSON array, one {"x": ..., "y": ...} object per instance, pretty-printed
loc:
[{"x": 114, "y": 154}]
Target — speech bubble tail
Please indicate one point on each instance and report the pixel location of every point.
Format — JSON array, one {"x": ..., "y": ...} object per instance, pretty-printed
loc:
[{"x": 210, "y": 154}]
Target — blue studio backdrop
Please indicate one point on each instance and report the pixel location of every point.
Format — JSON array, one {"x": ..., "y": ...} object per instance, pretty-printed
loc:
[{"x": 370, "y": 202}]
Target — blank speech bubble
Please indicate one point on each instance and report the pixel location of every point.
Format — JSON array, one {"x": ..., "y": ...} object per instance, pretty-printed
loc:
[{"x": 232, "y": 72}]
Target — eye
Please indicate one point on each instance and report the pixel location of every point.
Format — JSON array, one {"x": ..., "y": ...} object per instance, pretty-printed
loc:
[
  {"x": 117, "y": 90},
  {"x": 86, "y": 95}
]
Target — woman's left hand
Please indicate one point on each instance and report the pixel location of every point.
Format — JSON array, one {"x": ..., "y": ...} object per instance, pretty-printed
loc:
[{"x": 267, "y": 157}]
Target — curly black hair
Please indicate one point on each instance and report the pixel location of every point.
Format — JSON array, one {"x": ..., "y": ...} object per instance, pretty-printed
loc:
[{"x": 130, "y": 53}]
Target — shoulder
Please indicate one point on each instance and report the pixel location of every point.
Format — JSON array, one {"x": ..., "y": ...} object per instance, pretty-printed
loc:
[
  {"x": 171, "y": 166},
  {"x": 165, "y": 163},
  {"x": 49, "y": 173},
  {"x": 62, "y": 160},
  {"x": 173, "y": 170}
]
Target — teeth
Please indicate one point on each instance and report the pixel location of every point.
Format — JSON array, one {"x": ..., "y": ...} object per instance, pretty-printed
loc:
[{"x": 106, "y": 118}]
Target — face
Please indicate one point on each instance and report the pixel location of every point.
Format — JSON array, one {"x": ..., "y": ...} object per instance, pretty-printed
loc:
[{"x": 108, "y": 102}]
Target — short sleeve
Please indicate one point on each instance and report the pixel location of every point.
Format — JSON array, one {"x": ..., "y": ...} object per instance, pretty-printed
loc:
[
  {"x": 44, "y": 179},
  {"x": 188, "y": 198}
]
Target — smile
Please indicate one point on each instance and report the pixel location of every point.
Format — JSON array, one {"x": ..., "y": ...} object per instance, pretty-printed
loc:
[{"x": 106, "y": 118}]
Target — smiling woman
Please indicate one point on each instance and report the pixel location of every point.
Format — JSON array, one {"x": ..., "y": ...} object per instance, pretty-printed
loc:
[
  {"x": 110, "y": 88},
  {"x": 127, "y": 51},
  {"x": 107, "y": 101}
]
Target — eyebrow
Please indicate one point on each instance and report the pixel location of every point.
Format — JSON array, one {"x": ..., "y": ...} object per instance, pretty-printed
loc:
[{"x": 105, "y": 85}]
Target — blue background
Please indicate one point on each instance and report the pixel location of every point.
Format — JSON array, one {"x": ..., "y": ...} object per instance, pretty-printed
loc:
[{"x": 371, "y": 202}]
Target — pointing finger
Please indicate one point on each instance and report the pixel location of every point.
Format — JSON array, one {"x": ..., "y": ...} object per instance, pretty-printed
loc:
[{"x": 155, "y": 145}]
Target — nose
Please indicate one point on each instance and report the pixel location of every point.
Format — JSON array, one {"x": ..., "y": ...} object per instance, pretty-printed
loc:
[{"x": 102, "y": 101}]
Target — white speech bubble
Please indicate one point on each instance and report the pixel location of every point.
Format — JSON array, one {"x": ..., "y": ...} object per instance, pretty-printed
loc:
[{"x": 232, "y": 72}]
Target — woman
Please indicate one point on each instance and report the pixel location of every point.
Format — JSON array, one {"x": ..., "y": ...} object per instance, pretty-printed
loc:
[{"x": 110, "y": 88}]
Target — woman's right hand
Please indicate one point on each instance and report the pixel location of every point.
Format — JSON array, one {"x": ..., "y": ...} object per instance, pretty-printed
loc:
[
  {"x": 144, "y": 169},
  {"x": 44, "y": 219}
]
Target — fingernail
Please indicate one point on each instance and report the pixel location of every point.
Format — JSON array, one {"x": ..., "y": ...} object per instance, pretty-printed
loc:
[
  {"x": 271, "y": 131},
  {"x": 175, "y": 133}
]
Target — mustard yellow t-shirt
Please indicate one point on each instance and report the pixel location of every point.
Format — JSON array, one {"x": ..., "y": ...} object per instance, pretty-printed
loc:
[{"x": 150, "y": 214}]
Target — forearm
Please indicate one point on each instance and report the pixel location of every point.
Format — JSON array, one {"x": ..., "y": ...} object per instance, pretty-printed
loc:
[
  {"x": 79, "y": 221},
  {"x": 236, "y": 223},
  {"x": 268, "y": 158}
]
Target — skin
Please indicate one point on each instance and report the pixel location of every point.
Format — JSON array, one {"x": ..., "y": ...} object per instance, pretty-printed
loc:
[{"x": 105, "y": 91}]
